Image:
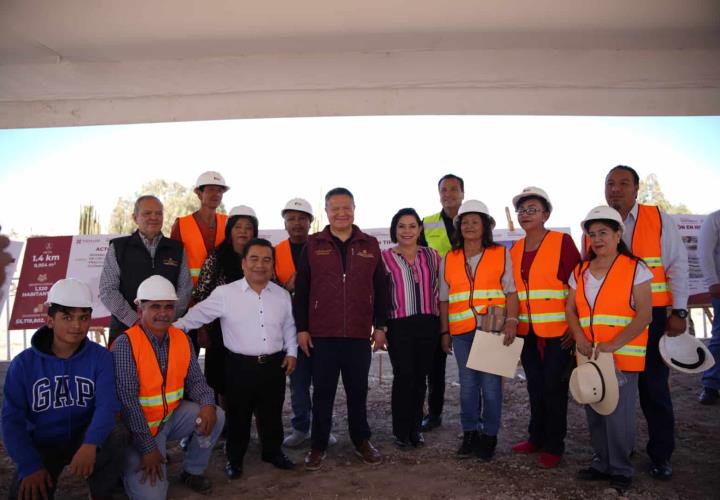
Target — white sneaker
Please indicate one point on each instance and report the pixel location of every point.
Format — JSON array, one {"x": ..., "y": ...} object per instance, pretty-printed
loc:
[
  {"x": 296, "y": 439},
  {"x": 332, "y": 439}
]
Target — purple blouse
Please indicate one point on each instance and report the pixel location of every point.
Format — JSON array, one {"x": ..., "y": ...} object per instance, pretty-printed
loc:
[{"x": 413, "y": 288}]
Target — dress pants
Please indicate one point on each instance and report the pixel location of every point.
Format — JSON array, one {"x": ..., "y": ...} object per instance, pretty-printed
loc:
[
  {"x": 258, "y": 386},
  {"x": 436, "y": 382}
]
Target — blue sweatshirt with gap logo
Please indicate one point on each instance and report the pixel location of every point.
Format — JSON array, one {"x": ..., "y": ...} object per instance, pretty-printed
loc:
[{"x": 53, "y": 402}]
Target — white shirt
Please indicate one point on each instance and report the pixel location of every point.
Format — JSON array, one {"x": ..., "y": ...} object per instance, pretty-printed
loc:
[
  {"x": 674, "y": 255},
  {"x": 709, "y": 248},
  {"x": 252, "y": 324},
  {"x": 593, "y": 284}
]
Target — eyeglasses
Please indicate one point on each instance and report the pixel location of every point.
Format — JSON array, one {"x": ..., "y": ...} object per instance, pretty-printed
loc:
[{"x": 528, "y": 211}]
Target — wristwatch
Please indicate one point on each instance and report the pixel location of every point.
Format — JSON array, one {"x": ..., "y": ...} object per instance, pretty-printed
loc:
[{"x": 680, "y": 313}]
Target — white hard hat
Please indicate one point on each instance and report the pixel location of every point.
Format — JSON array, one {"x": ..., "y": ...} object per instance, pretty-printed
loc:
[
  {"x": 474, "y": 207},
  {"x": 532, "y": 191},
  {"x": 155, "y": 287},
  {"x": 242, "y": 210},
  {"x": 299, "y": 205},
  {"x": 70, "y": 292},
  {"x": 211, "y": 178},
  {"x": 602, "y": 212}
]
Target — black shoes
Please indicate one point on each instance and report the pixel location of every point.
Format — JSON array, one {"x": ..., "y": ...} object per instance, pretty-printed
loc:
[
  {"x": 402, "y": 444},
  {"x": 430, "y": 422},
  {"x": 471, "y": 440},
  {"x": 661, "y": 470},
  {"x": 620, "y": 483},
  {"x": 486, "y": 447},
  {"x": 196, "y": 482},
  {"x": 233, "y": 471},
  {"x": 591, "y": 474},
  {"x": 709, "y": 396},
  {"x": 417, "y": 439},
  {"x": 281, "y": 461}
]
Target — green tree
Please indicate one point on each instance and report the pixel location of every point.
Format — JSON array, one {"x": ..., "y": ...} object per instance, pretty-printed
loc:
[
  {"x": 89, "y": 223},
  {"x": 651, "y": 193}
]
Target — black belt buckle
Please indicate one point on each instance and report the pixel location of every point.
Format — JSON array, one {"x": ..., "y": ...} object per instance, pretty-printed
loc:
[{"x": 262, "y": 359}]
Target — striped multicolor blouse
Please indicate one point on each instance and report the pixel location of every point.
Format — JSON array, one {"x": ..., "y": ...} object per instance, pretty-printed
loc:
[{"x": 413, "y": 288}]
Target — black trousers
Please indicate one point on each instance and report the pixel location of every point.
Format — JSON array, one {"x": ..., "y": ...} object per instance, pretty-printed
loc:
[
  {"x": 436, "y": 382},
  {"x": 654, "y": 390},
  {"x": 547, "y": 385},
  {"x": 333, "y": 357},
  {"x": 250, "y": 387},
  {"x": 411, "y": 346},
  {"x": 109, "y": 462}
]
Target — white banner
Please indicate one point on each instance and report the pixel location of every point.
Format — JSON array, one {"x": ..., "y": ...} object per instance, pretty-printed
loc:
[
  {"x": 87, "y": 256},
  {"x": 14, "y": 249},
  {"x": 689, "y": 227}
]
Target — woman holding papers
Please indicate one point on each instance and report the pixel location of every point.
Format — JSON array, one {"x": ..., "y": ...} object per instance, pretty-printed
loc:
[
  {"x": 476, "y": 274},
  {"x": 413, "y": 324},
  {"x": 608, "y": 310},
  {"x": 542, "y": 264}
]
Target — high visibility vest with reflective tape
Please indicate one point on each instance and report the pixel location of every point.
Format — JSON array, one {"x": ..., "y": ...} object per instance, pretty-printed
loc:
[
  {"x": 612, "y": 312},
  {"x": 436, "y": 234},
  {"x": 479, "y": 291},
  {"x": 195, "y": 245},
  {"x": 542, "y": 297},
  {"x": 284, "y": 265},
  {"x": 158, "y": 395}
]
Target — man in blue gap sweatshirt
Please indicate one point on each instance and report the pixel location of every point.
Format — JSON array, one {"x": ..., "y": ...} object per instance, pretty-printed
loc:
[{"x": 60, "y": 403}]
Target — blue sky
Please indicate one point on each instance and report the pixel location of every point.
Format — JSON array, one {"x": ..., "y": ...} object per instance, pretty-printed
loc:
[{"x": 388, "y": 162}]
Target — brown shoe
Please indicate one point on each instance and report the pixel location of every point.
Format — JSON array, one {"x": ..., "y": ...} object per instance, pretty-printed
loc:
[
  {"x": 314, "y": 459},
  {"x": 368, "y": 453}
]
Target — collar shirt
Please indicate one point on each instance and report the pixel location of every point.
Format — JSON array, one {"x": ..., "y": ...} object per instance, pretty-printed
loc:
[
  {"x": 674, "y": 255},
  {"x": 252, "y": 323},
  {"x": 709, "y": 249}
]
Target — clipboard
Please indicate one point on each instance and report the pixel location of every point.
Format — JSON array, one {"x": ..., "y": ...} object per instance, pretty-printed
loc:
[{"x": 488, "y": 354}]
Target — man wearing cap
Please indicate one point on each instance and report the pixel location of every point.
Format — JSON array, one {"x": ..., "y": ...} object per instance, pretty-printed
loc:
[
  {"x": 155, "y": 368},
  {"x": 340, "y": 293},
  {"x": 709, "y": 247},
  {"x": 438, "y": 230},
  {"x": 259, "y": 334},
  {"x": 60, "y": 403},
  {"x": 653, "y": 236},
  {"x": 132, "y": 259}
]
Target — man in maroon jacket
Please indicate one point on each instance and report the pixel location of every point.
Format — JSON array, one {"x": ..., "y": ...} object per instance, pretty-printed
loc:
[{"x": 340, "y": 294}]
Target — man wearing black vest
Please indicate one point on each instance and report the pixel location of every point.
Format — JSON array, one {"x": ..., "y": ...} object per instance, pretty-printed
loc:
[{"x": 132, "y": 259}]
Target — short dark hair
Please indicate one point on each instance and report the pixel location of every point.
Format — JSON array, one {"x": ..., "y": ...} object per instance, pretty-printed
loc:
[
  {"x": 487, "y": 237},
  {"x": 57, "y": 308},
  {"x": 542, "y": 201},
  {"x": 632, "y": 171},
  {"x": 257, "y": 242},
  {"x": 339, "y": 191},
  {"x": 396, "y": 218},
  {"x": 452, "y": 176}
]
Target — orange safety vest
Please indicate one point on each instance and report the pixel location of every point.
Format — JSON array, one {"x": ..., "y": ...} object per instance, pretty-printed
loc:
[
  {"x": 646, "y": 243},
  {"x": 612, "y": 312},
  {"x": 284, "y": 265},
  {"x": 543, "y": 296},
  {"x": 486, "y": 288},
  {"x": 193, "y": 241},
  {"x": 159, "y": 395}
]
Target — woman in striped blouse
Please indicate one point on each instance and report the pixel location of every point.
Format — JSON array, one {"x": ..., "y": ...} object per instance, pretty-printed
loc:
[{"x": 413, "y": 324}]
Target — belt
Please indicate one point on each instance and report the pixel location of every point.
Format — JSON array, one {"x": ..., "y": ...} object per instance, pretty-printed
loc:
[{"x": 262, "y": 359}]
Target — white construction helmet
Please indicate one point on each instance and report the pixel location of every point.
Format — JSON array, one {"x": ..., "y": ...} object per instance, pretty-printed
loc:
[
  {"x": 211, "y": 178},
  {"x": 243, "y": 210},
  {"x": 155, "y": 287},
  {"x": 532, "y": 191},
  {"x": 299, "y": 205},
  {"x": 70, "y": 292},
  {"x": 602, "y": 212},
  {"x": 473, "y": 207}
]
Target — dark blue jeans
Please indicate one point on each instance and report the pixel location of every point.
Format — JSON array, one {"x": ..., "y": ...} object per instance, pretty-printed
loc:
[
  {"x": 300, "y": 382},
  {"x": 711, "y": 378}
]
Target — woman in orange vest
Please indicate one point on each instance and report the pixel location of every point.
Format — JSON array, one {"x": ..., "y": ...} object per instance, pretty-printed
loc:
[
  {"x": 608, "y": 310},
  {"x": 542, "y": 264},
  {"x": 220, "y": 268},
  {"x": 476, "y": 274}
]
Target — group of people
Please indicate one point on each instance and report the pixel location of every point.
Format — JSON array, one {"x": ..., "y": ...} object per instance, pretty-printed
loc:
[{"x": 315, "y": 307}]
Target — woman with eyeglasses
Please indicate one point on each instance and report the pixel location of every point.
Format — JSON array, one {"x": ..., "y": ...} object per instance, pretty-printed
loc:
[
  {"x": 543, "y": 262},
  {"x": 475, "y": 275}
]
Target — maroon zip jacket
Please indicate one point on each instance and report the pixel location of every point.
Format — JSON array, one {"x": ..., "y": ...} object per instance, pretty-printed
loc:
[{"x": 332, "y": 300}]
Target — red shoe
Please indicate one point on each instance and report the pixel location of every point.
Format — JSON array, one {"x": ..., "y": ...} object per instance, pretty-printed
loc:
[
  {"x": 524, "y": 447},
  {"x": 548, "y": 460}
]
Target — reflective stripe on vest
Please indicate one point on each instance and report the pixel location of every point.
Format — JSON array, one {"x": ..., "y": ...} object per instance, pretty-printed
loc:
[
  {"x": 284, "y": 265},
  {"x": 612, "y": 312},
  {"x": 195, "y": 245},
  {"x": 486, "y": 287},
  {"x": 543, "y": 296},
  {"x": 436, "y": 234},
  {"x": 159, "y": 396}
]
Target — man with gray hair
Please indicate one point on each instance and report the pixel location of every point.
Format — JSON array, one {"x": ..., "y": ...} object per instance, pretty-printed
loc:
[{"x": 132, "y": 259}]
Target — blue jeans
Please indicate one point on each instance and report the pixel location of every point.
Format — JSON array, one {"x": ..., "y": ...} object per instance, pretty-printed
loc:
[
  {"x": 300, "y": 381},
  {"x": 711, "y": 378},
  {"x": 180, "y": 425},
  {"x": 473, "y": 386}
]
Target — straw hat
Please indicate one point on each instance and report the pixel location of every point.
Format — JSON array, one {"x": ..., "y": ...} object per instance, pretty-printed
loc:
[
  {"x": 594, "y": 383},
  {"x": 685, "y": 353}
]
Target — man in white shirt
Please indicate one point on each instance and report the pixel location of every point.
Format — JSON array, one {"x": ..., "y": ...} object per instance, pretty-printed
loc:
[
  {"x": 260, "y": 336},
  {"x": 709, "y": 247},
  {"x": 653, "y": 236}
]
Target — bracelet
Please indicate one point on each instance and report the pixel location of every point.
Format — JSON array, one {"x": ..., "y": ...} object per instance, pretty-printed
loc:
[{"x": 513, "y": 319}]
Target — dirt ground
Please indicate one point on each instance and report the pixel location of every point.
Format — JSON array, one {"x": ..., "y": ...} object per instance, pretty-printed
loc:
[{"x": 434, "y": 473}]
